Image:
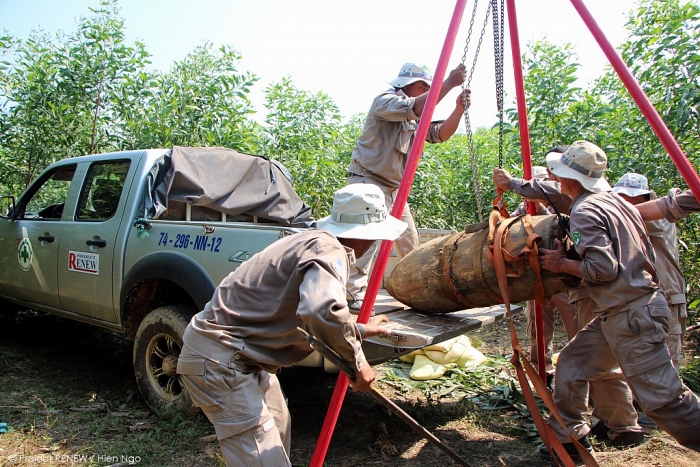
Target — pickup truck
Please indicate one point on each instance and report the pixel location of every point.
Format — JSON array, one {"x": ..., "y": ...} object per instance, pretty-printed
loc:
[{"x": 137, "y": 241}]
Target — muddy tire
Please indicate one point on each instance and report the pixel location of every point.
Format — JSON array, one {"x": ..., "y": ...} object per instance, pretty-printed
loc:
[{"x": 156, "y": 348}]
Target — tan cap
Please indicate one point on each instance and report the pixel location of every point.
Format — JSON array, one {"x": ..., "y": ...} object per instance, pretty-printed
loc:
[{"x": 583, "y": 161}]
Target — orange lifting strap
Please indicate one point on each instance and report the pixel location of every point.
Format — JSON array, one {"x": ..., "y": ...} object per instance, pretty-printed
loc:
[{"x": 499, "y": 222}]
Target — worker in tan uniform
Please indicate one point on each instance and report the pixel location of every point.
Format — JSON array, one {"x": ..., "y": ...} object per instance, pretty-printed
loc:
[
  {"x": 559, "y": 301},
  {"x": 382, "y": 150},
  {"x": 618, "y": 420},
  {"x": 634, "y": 188},
  {"x": 248, "y": 331},
  {"x": 632, "y": 317},
  {"x": 673, "y": 207}
]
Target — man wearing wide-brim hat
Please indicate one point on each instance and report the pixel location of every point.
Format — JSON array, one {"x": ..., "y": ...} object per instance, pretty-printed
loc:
[
  {"x": 248, "y": 331},
  {"x": 632, "y": 316},
  {"x": 380, "y": 156}
]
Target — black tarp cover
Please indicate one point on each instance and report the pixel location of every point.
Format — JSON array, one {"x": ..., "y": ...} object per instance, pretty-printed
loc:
[{"x": 226, "y": 181}]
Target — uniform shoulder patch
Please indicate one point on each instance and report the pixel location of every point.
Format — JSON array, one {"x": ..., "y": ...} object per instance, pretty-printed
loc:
[{"x": 576, "y": 237}]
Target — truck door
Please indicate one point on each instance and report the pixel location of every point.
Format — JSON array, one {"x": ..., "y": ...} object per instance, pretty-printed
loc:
[
  {"x": 86, "y": 255},
  {"x": 29, "y": 272}
]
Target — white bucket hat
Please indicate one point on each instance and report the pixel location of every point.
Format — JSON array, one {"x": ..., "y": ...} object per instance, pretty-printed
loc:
[
  {"x": 359, "y": 212},
  {"x": 632, "y": 184},
  {"x": 539, "y": 172},
  {"x": 583, "y": 161},
  {"x": 410, "y": 73}
]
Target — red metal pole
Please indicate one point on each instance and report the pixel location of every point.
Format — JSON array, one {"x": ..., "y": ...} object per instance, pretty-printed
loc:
[
  {"x": 657, "y": 124},
  {"x": 341, "y": 385},
  {"x": 527, "y": 160}
]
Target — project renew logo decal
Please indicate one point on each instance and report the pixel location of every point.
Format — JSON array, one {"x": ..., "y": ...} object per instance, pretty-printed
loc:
[
  {"x": 86, "y": 263},
  {"x": 25, "y": 254}
]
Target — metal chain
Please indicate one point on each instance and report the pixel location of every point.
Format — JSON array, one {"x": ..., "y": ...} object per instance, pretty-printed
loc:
[
  {"x": 469, "y": 32},
  {"x": 498, "y": 29},
  {"x": 467, "y": 121}
]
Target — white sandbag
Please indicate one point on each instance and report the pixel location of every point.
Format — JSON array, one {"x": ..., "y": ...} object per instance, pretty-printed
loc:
[
  {"x": 452, "y": 355},
  {"x": 443, "y": 346},
  {"x": 424, "y": 369},
  {"x": 410, "y": 357}
]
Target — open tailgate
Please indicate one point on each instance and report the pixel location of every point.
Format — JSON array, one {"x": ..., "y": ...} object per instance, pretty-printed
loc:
[{"x": 412, "y": 330}]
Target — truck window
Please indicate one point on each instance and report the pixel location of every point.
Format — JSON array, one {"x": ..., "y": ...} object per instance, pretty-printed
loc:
[
  {"x": 102, "y": 190},
  {"x": 49, "y": 198}
]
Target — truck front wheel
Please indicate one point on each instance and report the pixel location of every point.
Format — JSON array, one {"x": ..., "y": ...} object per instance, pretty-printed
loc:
[{"x": 156, "y": 349}]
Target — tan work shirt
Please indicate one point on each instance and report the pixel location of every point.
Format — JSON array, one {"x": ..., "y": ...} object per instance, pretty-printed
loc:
[
  {"x": 533, "y": 189},
  {"x": 382, "y": 148},
  {"x": 617, "y": 257},
  {"x": 678, "y": 205},
  {"x": 298, "y": 281}
]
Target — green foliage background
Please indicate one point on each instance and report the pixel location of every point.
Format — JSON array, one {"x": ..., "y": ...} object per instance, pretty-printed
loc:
[{"x": 88, "y": 91}]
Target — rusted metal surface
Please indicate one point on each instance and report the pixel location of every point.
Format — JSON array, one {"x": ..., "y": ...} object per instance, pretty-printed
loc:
[{"x": 454, "y": 272}]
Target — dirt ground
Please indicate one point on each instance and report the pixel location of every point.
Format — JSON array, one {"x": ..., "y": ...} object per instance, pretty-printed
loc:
[{"x": 68, "y": 390}]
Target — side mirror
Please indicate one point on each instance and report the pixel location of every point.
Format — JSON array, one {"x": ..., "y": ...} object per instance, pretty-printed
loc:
[{"x": 7, "y": 207}]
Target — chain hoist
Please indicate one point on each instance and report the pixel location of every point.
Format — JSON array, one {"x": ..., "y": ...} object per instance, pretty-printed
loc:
[
  {"x": 467, "y": 122},
  {"x": 498, "y": 28}
]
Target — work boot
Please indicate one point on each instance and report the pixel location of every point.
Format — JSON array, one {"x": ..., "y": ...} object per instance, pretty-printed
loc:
[
  {"x": 643, "y": 420},
  {"x": 550, "y": 381},
  {"x": 622, "y": 440},
  {"x": 626, "y": 439},
  {"x": 600, "y": 431},
  {"x": 570, "y": 449}
]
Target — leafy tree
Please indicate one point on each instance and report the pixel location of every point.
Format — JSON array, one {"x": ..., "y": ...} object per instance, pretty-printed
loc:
[
  {"x": 304, "y": 133},
  {"x": 550, "y": 93},
  {"x": 57, "y": 93},
  {"x": 201, "y": 101}
]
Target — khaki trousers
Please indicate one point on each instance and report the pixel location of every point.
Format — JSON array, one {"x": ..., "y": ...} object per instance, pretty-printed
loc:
[
  {"x": 610, "y": 394},
  {"x": 407, "y": 242},
  {"x": 676, "y": 331},
  {"x": 247, "y": 409},
  {"x": 636, "y": 340}
]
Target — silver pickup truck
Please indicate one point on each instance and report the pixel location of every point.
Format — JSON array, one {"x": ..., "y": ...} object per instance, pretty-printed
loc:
[{"x": 137, "y": 241}]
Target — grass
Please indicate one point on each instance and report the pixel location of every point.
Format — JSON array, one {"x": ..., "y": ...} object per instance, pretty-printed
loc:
[
  {"x": 99, "y": 438},
  {"x": 480, "y": 393},
  {"x": 69, "y": 398}
]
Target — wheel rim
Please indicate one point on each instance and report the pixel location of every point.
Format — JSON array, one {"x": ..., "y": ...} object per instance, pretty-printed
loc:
[{"x": 161, "y": 363}]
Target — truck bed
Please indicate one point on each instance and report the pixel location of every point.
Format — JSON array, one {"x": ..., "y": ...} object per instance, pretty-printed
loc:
[{"x": 411, "y": 329}]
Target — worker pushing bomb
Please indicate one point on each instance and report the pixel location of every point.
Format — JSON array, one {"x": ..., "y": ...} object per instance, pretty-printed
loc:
[
  {"x": 631, "y": 314},
  {"x": 618, "y": 424}
]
